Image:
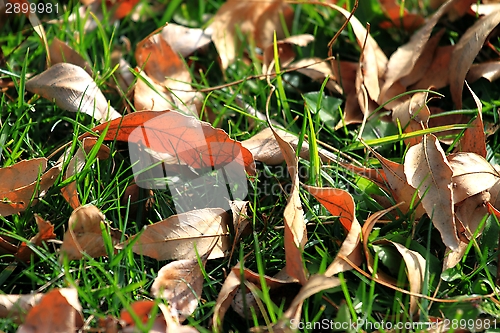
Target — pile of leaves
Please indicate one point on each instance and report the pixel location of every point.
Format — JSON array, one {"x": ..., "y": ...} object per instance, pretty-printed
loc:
[{"x": 396, "y": 218}]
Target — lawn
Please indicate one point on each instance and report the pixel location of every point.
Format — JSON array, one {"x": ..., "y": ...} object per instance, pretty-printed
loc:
[{"x": 249, "y": 165}]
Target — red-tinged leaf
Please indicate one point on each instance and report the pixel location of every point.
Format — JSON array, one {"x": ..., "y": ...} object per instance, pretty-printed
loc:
[
  {"x": 436, "y": 75},
  {"x": 466, "y": 51},
  {"x": 45, "y": 232},
  {"x": 141, "y": 309},
  {"x": 295, "y": 226},
  {"x": 192, "y": 141},
  {"x": 58, "y": 311},
  {"x": 177, "y": 236},
  {"x": 20, "y": 183},
  {"x": 427, "y": 169}
]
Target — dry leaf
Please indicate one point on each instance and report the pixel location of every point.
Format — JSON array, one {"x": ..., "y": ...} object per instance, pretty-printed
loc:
[
  {"x": 488, "y": 70},
  {"x": 142, "y": 310},
  {"x": 400, "y": 189},
  {"x": 340, "y": 203},
  {"x": 20, "y": 183},
  {"x": 240, "y": 222},
  {"x": 147, "y": 98},
  {"x": 15, "y": 307},
  {"x": 472, "y": 211},
  {"x": 466, "y": 51},
  {"x": 472, "y": 174},
  {"x": 295, "y": 226},
  {"x": 180, "y": 283},
  {"x": 225, "y": 297},
  {"x": 185, "y": 40},
  {"x": 257, "y": 19},
  {"x": 412, "y": 115},
  {"x": 285, "y": 51},
  {"x": 60, "y": 52},
  {"x": 415, "y": 270},
  {"x": 45, "y": 232},
  {"x": 474, "y": 138},
  {"x": 400, "y": 19},
  {"x": 318, "y": 70},
  {"x": 58, "y": 311},
  {"x": 427, "y": 170},
  {"x": 84, "y": 234},
  {"x": 72, "y": 89},
  {"x": 402, "y": 61},
  {"x": 76, "y": 165},
  {"x": 436, "y": 75},
  {"x": 177, "y": 236},
  {"x": 191, "y": 141}
]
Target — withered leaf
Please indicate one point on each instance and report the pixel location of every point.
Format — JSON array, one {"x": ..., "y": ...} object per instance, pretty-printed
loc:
[
  {"x": 45, "y": 232},
  {"x": 177, "y": 236},
  {"x": 427, "y": 169},
  {"x": 15, "y": 307},
  {"x": 72, "y": 89}
]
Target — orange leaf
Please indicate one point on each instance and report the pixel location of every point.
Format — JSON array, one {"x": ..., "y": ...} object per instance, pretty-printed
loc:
[
  {"x": 46, "y": 232},
  {"x": 194, "y": 142},
  {"x": 338, "y": 202}
]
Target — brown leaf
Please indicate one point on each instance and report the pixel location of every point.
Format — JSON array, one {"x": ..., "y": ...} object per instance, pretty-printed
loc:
[
  {"x": 466, "y": 51},
  {"x": 45, "y": 232},
  {"x": 487, "y": 70},
  {"x": 400, "y": 189},
  {"x": 15, "y": 307},
  {"x": 240, "y": 222},
  {"x": 243, "y": 16},
  {"x": 184, "y": 40},
  {"x": 402, "y": 61},
  {"x": 180, "y": 283},
  {"x": 72, "y": 89},
  {"x": 318, "y": 70},
  {"x": 286, "y": 53},
  {"x": 400, "y": 19},
  {"x": 449, "y": 136},
  {"x": 58, "y": 311},
  {"x": 77, "y": 163},
  {"x": 20, "y": 183},
  {"x": 436, "y": 75},
  {"x": 84, "y": 234},
  {"x": 472, "y": 174},
  {"x": 373, "y": 58},
  {"x": 427, "y": 170},
  {"x": 472, "y": 211},
  {"x": 60, "y": 52},
  {"x": 295, "y": 226},
  {"x": 193, "y": 142},
  {"x": 147, "y": 98},
  {"x": 225, "y": 297},
  {"x": 412, "y": 115},
  {"x": 415, "y": 270},
  {"x": 177, "y": 236},
  {"x": 474, "y": 138},
  {"x": 340, "y": 203}
]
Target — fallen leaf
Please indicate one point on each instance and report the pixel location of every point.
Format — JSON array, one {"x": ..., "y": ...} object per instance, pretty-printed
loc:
[
  {"x": 142, "y": 311},
  {"x": 58, "y": 311},
  {"x": 415, "y": 270},
  {"x": 15, "y": 307},
  {"x": 77, "y": 163},
  {"x": 84, "y": 234},
  {"x": 60, "y": 52},
  {"x": 191, "y": 141},
  {"x": 440, "y": 119},
  {"x": 487, "y": 70},
  {"x": 72, "y": 89},
  {"x": 400, "y": 18},
  {"x": 453, "y": 257},
  {"x": 185, "y": 40},
  {"x": 149, "y": 95},
  {"x": 234, "y": 16},
  {"x": 412, "y": 115},
  {"x": 428, "y": 171},
  {"x": 472, "y": 174},
  {"x": 458, "y": 9},
  {"x": 286, "y": 53},
  {"x": 181, "y": 284},
  {"x": 20, "y": 183},
  {"x": 318, "y": 70},
  {"x": 225, "y": 297},
  {"x": 466, "y": 51},
  {"x": 45, "y": 232},
  {"x": 474, "y": 138},
  {"x": 177, "y": 236},
  {"x": 295, "y": 226},
  {"x": 399, "y": 187},
  {"x": 472, "y": 211},
  {"x": 240, "y": 222},
  {"x": 402, "y": 62},
  {"x": 437, "y": 74}
]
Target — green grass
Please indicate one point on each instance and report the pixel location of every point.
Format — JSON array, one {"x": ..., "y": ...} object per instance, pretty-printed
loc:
[{"x": 34, "y": 127}]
